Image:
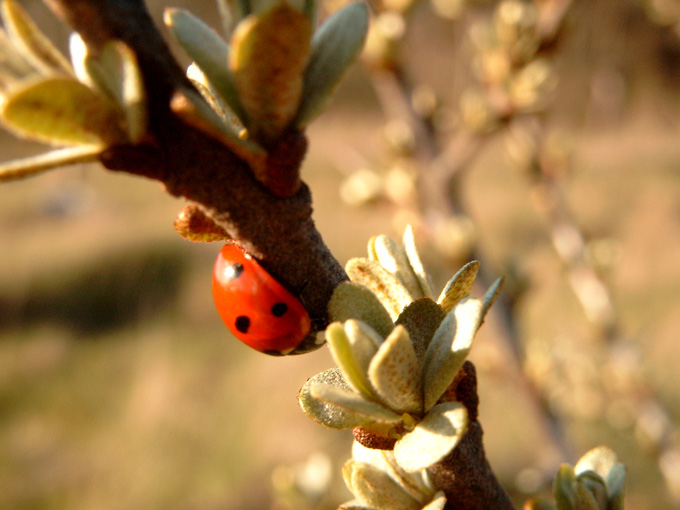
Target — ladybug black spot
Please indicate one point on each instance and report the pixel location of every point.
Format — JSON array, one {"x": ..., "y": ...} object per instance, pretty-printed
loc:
[
  {"x": 279, "y": 309},
  {"x": 233, "y": 271},
  {"x": 242, "y": 323}
]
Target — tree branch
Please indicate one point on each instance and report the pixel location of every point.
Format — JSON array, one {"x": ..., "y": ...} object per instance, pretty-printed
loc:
[{"x": 278, "y": 231}]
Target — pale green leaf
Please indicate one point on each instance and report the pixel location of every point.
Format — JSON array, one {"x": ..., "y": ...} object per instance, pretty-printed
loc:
[
  {"x": 594, "y": 483},
  {"x": 600, "y": 459},
  {"x": 267, "y": 59},
  {"x": 364, "y": 410},
  {"x": 355, "y": 504},
  {"x": 564, "y": 488},
  {"x": 354, "y": 301},
  {"x": 63, "y": 111},
  {"x": 326, "y": 413},
  {"x": 34, "y": 165},
  {"x": 351, "y": 359},
  {"x": 585, "y": 500},
  {"x": 394, "y": 373},
  {"x": 209, "y": 51},
  {"x": 33, "y": 44},
  {"x": 375, "y": 488},
  {"x": 393, "y": 257},
  {"x": 421, "y": 318},
  {"x": 208, "y": 92},
  {"x": 389, "y": 290},
  {"x": 364, "y": 341},
  {"x": 449, "y": 348},
  {"x": 416, "y": 264},
  {"x": 459, "y": 286},
  {"x": 616, "y": 487},
  {"x": 121, "y": 78},
  {"x": 334, "y": 47},
  {"x": 433, "y": 438},
  {"x": 491, "y": 295},
  {"x": 437, "y": 503}
]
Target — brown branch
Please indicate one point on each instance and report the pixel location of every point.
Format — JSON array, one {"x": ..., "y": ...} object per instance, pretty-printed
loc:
[{"x": 278, "y": 231}]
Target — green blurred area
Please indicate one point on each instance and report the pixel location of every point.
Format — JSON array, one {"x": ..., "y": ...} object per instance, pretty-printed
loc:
[{"x": 121, "y": 389}]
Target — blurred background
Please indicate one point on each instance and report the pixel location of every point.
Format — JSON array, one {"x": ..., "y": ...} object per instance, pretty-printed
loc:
[{"x": 120, "y": 387}]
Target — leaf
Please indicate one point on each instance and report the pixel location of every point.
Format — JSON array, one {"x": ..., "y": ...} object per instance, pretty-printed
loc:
[
  {"x": 349, "y": 354},
  {"x": 334, "y": 47},
  {"x": 437, "y": 503},
  {"x": 585, "y": 500},
  {"x": 616, "y": 487},
  {"x": 63, "y": 111},
  {"x": 375, "y": 488},
  {"x": 116, "y": 73},
  {"x": 459, "y": 286},
  {"x": 449, "y": 348},
  {"x": 326, "y": 413},
  {"x": 354, "y": 403},
  {"x": 32, "y": 43},
  {"x": 421, "y": 318},
  {"x": 416, "y": 264},
  {"x": 394, "y": 373},
  {"x": 594, "y": 483},
  {"x": 433, "y": 438},
  {"x": 355, "y": 301},
  {"x": 393, "y": 258},
  {"x": 208, "y": 92},
  {"x": 600, "y": 459},
  {"x": 490, "y": 297},
  {"x": 34, "y": 165},
  {"x": 268, "y": 56},
  {"x": 389, "y": 290},
  {"x": 209, "y": 51},
  {"x": 564, "y": 488}
]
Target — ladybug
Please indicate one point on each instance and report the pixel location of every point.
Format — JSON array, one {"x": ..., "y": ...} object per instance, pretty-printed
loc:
[{"x": 256, "y": 308}]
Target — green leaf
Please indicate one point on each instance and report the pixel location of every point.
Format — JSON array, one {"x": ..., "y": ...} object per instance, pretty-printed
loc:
[
  {"x": 350, "y": 355},
  {"x": 536, "y": 504},
  {"x": 616, "y": 487},
  {"x": 326, "y": 413},
  {"x": 353, "y": 403},
  {"x": 393, "y": 257},
  {"x": 600, "y": 459},
  {"x": 32, "y": 43},
  {"x": 209, "y": 51},
  {"x": 208, "y": 92},
  {"x": 63, "y": 111},
  {"x": 120, "y": 77},
  {"x": 459, "y": 286},
  {"x": 334, "y": 46},
  {"x": 394, "y": 373},
  {"x": 421, "y": 318},
  {"x": 594, "y": 483},
  {"x": 433, "y": 438},
  {"x": 268, "y": 56},
  {"x": 389, "y": 290},
  {"x": 355, "y": 301},
  {"x": 416, "y": 264},
  {"x": 449, "y": 348},
  {"x": 34, "y": 165},
  {"x": 438, "y": 502},
  {"x": 375, "y": 488},
  {"x": 490, "y": 297},
  {"x": 585, "y": 500},
  {"x": 564, "y": 488}
]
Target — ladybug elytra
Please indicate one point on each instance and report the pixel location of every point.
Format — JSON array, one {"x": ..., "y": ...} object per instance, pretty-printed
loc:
[{"x": 255, "y": 307}]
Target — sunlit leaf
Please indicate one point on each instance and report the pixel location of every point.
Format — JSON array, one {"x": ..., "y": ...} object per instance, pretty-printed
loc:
[
  {"x": 433, "y": 438},
  {"x": 34, "y": 165},
  {"x": 564, "y": 488},
  {"x": 33, "y": 44},
  {"x": 449, "y": 348},
  {"x": 416, "y": 264},
  {"x": 459, "y": 286},
  {"x": 62, "y": 111},
  {"x": 350, "y": 358},
  {"x": 354, "y": 301},
  {"x": 353, "y": 403},
  {"x": 437, "y": 503},
  {"x": 421, "y": 318},
  {"x": 390, "y": 291},
  {"x": 375, "y": 488},
  {"x": 393, "y": 257},
  {"x": 394, "y": 373},
  {"x": 209, "y": 51},
  {"x": 334, "y": 46},
  {"x": 268, "y": 54}
]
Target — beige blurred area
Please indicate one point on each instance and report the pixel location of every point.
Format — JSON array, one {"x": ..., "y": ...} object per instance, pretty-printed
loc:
[{"x": 121, "y": 389}]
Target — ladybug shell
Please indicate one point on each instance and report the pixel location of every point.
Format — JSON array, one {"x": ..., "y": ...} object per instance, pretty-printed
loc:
[{"x": 256, "y": 308}]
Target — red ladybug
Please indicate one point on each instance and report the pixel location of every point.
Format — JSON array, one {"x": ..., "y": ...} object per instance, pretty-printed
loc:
[{"x": 256, "y": 308}]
